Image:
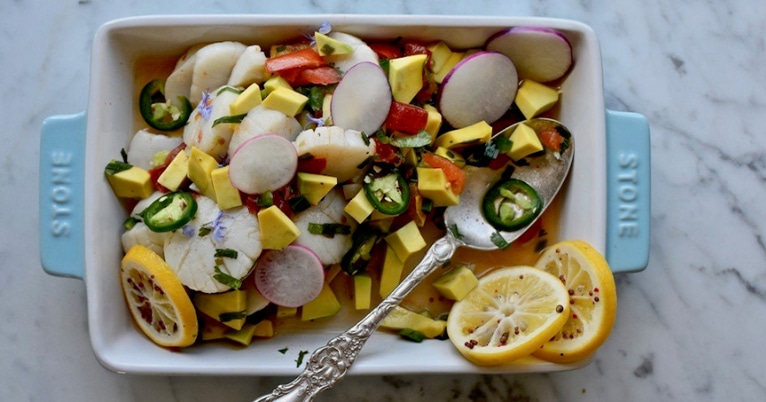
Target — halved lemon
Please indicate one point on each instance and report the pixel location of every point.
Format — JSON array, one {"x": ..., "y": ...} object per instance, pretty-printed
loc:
[
  {"x": 509, "y": 315},
  {"x": 157, "y": 299},
  {"x": 592, "y": 300}
]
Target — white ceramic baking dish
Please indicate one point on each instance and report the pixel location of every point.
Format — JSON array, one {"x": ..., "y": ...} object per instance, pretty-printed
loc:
[{"x": 606, "y": 201}]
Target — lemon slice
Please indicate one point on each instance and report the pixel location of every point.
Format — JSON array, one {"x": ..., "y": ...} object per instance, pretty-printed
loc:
[
  {"x": 592, "y": 300},
  {"x": 157, "y": 299},
  {"x": 509, "y": 315}
]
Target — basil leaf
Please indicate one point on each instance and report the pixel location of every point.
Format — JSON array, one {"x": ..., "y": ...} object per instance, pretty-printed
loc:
[
  {"x": 235, "y": 119},
  {"x": 226, "y": 252},
  {"x": 421, "y": 139},
  {"x": 115, "y": 166}
]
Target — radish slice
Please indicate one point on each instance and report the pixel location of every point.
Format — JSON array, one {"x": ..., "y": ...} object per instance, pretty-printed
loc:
[
  {"x": 263, "y": 163},
  {"x": 291, "y": 277},
  {"x": 480, "y": 87},
  {"x": 539, "y": 54},
  {"x": 362, "y": 99}
]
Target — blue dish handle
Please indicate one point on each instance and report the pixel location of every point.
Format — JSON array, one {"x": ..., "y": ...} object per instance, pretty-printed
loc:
[
  {"x": 628, "y": 191},
  {"x": 62, "y": 168}
]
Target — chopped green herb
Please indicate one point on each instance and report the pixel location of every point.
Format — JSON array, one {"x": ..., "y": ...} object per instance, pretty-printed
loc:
[
  {"x": 130, "y": 223},
  {"x": 116, "y": 166},
  {"x": 411, "y": 335},
  {"x": 365, "y": 138},
  {"x": 455, "y": 231},
  {"x": 328, "y": 49},
  {"x": 204, "y": 231},
  {"x": 124, "y": 155},
  {"x": 316, "y": 98},
  {"x": 499, "y": 241},
  {"x": 299, "y": 203},
  {"x": 329, "y": 229},
  {"x": 428, "y": 205},
  {"x": 226, "y": 252},
  {"x": 283, "y": 350},
  {"x": 421, "y": 139},
  {"x": 299, "y": 360},
  {"x": 235, "y": 119},
  {"x": 385, "y": 64},
  {"x": 231, "y": 316},
  {"x": 265, "y": 200},
  {"x": 226, "y": 279}
]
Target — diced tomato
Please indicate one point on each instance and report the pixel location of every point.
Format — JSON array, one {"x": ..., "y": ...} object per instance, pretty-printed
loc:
[
  {"x": 415, "y": 207},
  {"x": 500, "y": 162},
  {"x": 284, "y": 48},
  {"x": 304, "y": 58},
  {"x": 324, "y": 75},
  {"x": 428, "y": 90},
  {"x": 551, "y": 139},
  {"x": 531, "y": 233},
  {"x": 412, "y": 48},
  {"x": 154, "y": 175},
  {"x": 312, "y": 165},
  {"x": 388, "y": 153},
  {"x": 406, "y": 118},
  {"x": 174, "y": 152},
  {"x": 386, "y": 50},
  {"x": 455, "y": 175}
]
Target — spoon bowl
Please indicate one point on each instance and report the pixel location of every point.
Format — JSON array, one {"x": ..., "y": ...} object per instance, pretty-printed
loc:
[{"x": 545, "y": 171}]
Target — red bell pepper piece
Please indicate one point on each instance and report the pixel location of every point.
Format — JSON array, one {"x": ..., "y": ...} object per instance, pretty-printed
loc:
[
  {"x": 551, "y": 139},
  {"x": 406, "y": 118},
  {"x": 455, "y": 175},
  {"x": 304, "y": 58},
  {"x": 386, "y": 50},
  {"x": 324, "y": 75}
]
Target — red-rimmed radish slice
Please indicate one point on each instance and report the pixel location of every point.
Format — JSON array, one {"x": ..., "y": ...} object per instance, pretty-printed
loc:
[
  {"x": 291, "y": 277},
  {"x": 362, "y": 98},
  {"x": 263, "y": 163},
  {"x": 480, "y": 87},
  {"x": 539, "y": 54}
]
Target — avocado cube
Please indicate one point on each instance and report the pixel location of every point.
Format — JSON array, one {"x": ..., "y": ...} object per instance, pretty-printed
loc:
[
  {"x": 534, "y": 98},
  {"x": 284, "y": 312},
  {"x": 248, "y": 99},
  {"x": 286, "y": 101},
  {"x": 242, "y": 336},
  {"x": 324, "y": 305},
  {"x": 406, "y": 241},
  {"x": 405, "y": 75},
  {"x": 326, "y": 109},
  {"x": 401, "y": 318},
  {"x": 131, "y": 183},
  {"x": 434, "y": 122},
  {"x": 524, "y": 142},
  {"x": 201, "y": 166},
  {"x": 440, "y": 53},
  {"x": 315, "y": 186},
  {"x": 263, "y": 329},
  {"x": 273, "y": 83},
  {"x": 227, "y": 307},
  {"x": 327, "y": 46},
  {"x": 212, "y": 329},
  {"x": 362, "y": 291},
  {"x": 277, "y": 229},
  {"x": 477, "y": 133},
  {"x": 176, "y": 172},
  {"x": 391, "y": 273},
  {"x": 457, "y": 283},
  {"x": 226, "y": 194},
  {"x": 359, "y": 207},
  {"x": 453, "y": 59},
  {"x": 433, "y": 184}
]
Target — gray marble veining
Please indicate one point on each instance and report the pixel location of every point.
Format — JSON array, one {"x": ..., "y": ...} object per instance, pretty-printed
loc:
[{"x": 690, "y": 327}]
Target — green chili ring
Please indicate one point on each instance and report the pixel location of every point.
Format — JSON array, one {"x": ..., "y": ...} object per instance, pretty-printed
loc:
[
  {"x": 387, "y": 203},
  {"x": 358, "y": 256},
  {"x": 511, "y": 205},
  {"x": 170, "y": 212},
  {"x": 157, "y": 112}
]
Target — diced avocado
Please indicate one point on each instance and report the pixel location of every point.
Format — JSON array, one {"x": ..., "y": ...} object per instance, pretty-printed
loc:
[
  {"x": 452, "y": 156},
  {"x": 226, "y": 194},
  {"x": 405, "y": 75},
  {"x": 277, "y": 229},
  {"x": 326, "y": 109},
  {"x": 477, "y": 133},
  {"x": 213, "y": 329},
  {"x": 201, "y": 166},
  {"x": 315, "y": 186},
  {"x": 248, "y": 99},
  {"x": 359, "y": 207},
  {"x": 382, "y": 223},
  {"x": 324, "y": 305},
  {"x": 243, "y": 336},
  {"x": 133, "y": 182},
  {"x": 440, "y": 53},
  {"x": 391, "y": 273},
  {"x": 176, "y": 172},
  {"x": 434, "y": 122},
  {"x": 327, "y": 46},
  {"x": 228, "y": 307},
  {"x": 286, "y": 101},
  {"x": 534, "y": 98},
  {"x": 273, "y": 83},
  {"x": 406, "y": 241},
  {"x": 456, "y": 283},
  {"x": 284, "y": 312},
  {"x": 362, "y": 291},
  {"x": 524, "y": 142},
  {"x": 410, "y": 156},
  {"x": 401, "y": 318},
  {"x": 433, "y": 184},
  {"x": 453, "y": 59},
  {"x": 263, "y": 329}
]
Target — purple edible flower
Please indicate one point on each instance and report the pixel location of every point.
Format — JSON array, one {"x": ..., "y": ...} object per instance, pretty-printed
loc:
[
  {"x": 205, "y": 106},
  {"x": 188, "y": 231},
  {"x": 219, "y": 231}
]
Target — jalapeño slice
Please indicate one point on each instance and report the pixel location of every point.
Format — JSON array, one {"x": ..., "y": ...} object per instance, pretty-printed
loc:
[
  {"x": 511, "y": 205},
  {"x": 388, "y": 191},
  {"x": 158, "y": 112},
  {"x": 356, "y": 259},
  {"x": 170, "y": 212}
]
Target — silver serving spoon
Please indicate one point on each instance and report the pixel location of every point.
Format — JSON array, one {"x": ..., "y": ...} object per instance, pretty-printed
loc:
[{"x": 466, "y": 227}]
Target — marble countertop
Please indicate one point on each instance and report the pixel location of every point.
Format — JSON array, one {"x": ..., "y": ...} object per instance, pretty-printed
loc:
[{"x": 690, "y": 327}]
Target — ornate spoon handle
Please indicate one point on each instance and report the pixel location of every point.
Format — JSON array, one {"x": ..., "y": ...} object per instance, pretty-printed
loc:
[{"x": 328, "y": 364}]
